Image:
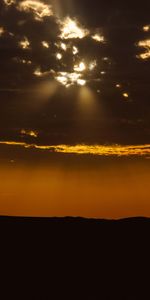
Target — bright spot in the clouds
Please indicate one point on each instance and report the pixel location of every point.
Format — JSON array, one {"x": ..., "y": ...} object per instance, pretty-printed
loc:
[
  {"x": 67, "y": 79},
  {"x": 118, "y": 85},
  {"x": 105, "y": 58},
  {"x": 38, "y": 72},
  {"x": 28, "y": 62},
  {"x": 63, "y": 46},
  {"x": 24, "y": 44},
  {"x": 59, "y": 56},
  {"x": 98, "y": 38},
  {"x": 38, "y": 8},
  {"x": 146, "y": 45},
  {"x": 45, "y": 44},
  {"x": 125, "y": 95},
  {"x": 2, "y": 30},
  {"x": 62, "y": 79},
  {"x": 80, "y": 68},
  {"x": 75, "y": 50},
  {"x": 92, "y": 65},
  {"x": 22, "y": 61},
  {"x": 144, "y": 55},
  {"x": 81, "y": 82},
  {"x": 9, "y": 2},
  {"x": 70, "y": 29},
  {"x": 31, "y": 133},
  {"x": 146, "y": 28}
]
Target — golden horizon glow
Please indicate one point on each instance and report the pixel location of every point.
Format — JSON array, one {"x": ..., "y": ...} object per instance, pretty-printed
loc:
[{"x": 82, "y": 149}]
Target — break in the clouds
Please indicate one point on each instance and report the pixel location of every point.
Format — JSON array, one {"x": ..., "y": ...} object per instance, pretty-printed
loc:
[
  {"x": 145, "y": 44},
  {"x": 36, "y": 7},
  {"x": 64, "y": 48},
  {"x": 70, "y": 29},
  {"x": 75, "y": 71}
]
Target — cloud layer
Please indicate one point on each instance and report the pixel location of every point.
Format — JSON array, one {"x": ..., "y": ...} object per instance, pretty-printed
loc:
[{"x": 62, "y": 64}]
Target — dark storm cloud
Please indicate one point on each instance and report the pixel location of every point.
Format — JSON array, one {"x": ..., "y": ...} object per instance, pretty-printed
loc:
[{"x": 27, "y": 68}]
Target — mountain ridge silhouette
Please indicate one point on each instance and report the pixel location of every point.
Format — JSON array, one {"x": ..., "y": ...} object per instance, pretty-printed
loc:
[{"x": 75, "y": 258}]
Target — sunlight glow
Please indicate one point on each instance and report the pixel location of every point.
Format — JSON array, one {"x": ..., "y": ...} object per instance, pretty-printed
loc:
[
  {"x": 70, "y": 29},
  {"x": 145, "y": 55},
  {"x": 125, "y": 95},
  {"x": 38, "y": 8},
  {"x": 63, "y": 46},
  {"x": 31, "y": 133},
  {"x": 2, "y": 30},
  {"x": 68, "y": 79},
  {"x": 98, "y": 38},
  {"x": 75, "y": 50},
  {"x": 146, "y": 28},
  {"x": 22, "y": 61},
  {"x": 24, "y": 44},
  {"x": 144, "y": 44},
  {"x": 92, "y": 65},
  {"x": 59, "y": 56},
  {"x": 81, "y": 82},
  {"x": 45, "y": 44},
  {"x": 80, "y": 68},
  {"x": 9, "y": 2},
  {"x": 37, "y": 72}
]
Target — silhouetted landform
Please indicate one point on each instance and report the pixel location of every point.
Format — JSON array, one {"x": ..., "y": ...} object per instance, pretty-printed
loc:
[{"x": 75, "y": 258}]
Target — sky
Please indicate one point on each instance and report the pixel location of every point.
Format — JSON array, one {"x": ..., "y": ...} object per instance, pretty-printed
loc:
[{"x": 74, "y": 87}]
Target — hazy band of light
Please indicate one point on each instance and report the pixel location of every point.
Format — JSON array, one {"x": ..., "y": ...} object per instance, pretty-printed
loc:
[{"x": 81, "y": 149}]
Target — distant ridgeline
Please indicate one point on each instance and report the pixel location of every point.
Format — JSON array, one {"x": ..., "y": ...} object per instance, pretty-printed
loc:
[{"x": 75, "y": 258}]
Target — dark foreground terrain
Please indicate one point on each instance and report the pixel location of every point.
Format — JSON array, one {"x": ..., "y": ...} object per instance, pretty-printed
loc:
[{"x": 74, "y": 259}]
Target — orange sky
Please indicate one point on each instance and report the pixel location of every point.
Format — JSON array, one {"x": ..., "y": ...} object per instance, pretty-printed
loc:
[{"x": 88, "y": 187}]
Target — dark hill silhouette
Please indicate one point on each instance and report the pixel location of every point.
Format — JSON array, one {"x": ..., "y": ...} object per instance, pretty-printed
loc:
[{"x": 75, "y": 258}]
